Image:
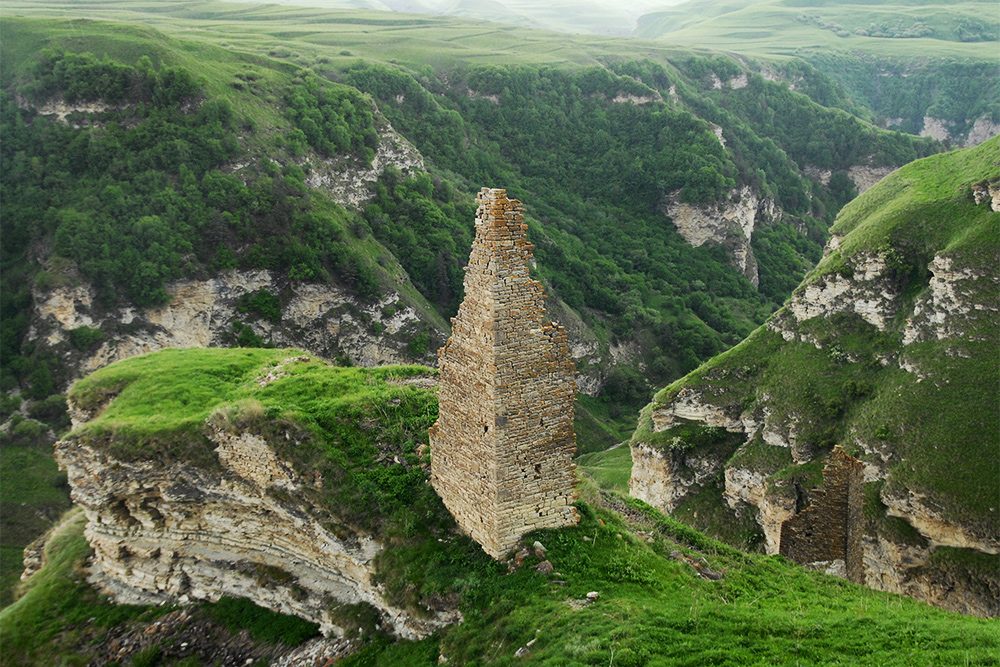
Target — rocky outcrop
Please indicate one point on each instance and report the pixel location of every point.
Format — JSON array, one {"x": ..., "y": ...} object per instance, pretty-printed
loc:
[
  {"x": 690, "y": 405},
  {"x": 862, "y": 176},
  {"x": 346, "y": 180},
  {"x": 323, "y": 319},
  {"x": 934, "y": 526},
  {"x": 909, "y": 568},
  {"x": 663, "y": 477},
  {"x": 64, "y": 112},
  {"x": 865, "y": 177},
  {"x": 730, "y": 224},
  {"x": 983, "y": 129},
  {"x": 180, "y": 533},
  {"x": 987, "y": 191},
  {"x": 956, "y": 298},
  {"x": 864, "y": 292},
  {"x": 745, "y": 486}
]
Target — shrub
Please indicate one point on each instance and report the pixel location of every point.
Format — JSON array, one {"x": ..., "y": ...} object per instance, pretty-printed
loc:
[{"x": 83, "y": 338}]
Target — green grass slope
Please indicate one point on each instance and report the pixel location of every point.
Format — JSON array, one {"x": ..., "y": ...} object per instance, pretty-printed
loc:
[
  {"x": 933, "y": 428},
  {"x": 654, "y": 608},
  {"x": 930, "y": 29}
]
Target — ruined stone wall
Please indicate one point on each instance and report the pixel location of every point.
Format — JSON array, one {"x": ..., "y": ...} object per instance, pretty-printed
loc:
[
  {"x": 501, "y": 450},
  {"x": 832, "y": 527}
]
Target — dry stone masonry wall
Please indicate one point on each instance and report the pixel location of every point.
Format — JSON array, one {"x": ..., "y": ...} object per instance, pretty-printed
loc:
[
  {"x": 501, "y": 450},
  {"x": 832, "y": 527}
]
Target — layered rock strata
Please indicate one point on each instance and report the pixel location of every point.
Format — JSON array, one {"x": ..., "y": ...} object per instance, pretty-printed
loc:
[
  {"x": 502, "y": 448},
  {"x": 913, "y": 542},
  {"x": 180, "y": 533}
]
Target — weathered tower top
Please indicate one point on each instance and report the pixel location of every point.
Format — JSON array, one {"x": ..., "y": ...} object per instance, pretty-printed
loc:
[{"x": 502, "y": 448}]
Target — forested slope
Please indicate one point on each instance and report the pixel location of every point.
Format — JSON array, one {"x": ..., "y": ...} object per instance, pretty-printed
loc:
[{"x": 921, "y": 67}]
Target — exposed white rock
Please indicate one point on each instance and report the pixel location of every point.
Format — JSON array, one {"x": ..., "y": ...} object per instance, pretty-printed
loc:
[
  {"x": 751, "y": 487},
  {"x": 621, "y": 98},
  {"x": 983, "y": 192},
  {"x": 346, "y": 180},
  {"x": 201, "y": 313},
  {"x": 476, "y": 95},
  {"x": 954, "y": 298},
  {"x": 933, "y": 526},
  {"x": 717, "y": 131},
  {"x": 935, "y": 128},
  {"x": 250, "y": 457},
  {"x": 863, "y": 293},
  {"x": 61, "y": 109},
  {"x": 68, "y": 306},
  {"x": 729, "y": 223},
  {"x": 741, "y": 81},
  {"x": 662, "y": 478},
  {"x": 818, "y": 174},
  {"x": 690, "y": 405},
  {"x": 902, "y": 569},
  {"x": 983, "y": 129},
  {"x": 865, "y": 177},
  {"x": 862, "y": 176},
  {"x": 181, "y": 533}
]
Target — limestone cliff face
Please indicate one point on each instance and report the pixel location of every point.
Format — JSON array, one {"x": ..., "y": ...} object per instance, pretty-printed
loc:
[
  {"x": 730, "y": 224},
  {"x": 180, "y": 533},
  {"x": 862, "y": 176},
  {"x": 865, "y": 292},
  {"x": 322, "y": 319},
  {"x": 662, "y": 478}
]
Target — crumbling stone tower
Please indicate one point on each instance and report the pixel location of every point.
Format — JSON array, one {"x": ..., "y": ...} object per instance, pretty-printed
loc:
[
  {"x": 832, "y": 526},
  {"x": 502, "y": 447}
]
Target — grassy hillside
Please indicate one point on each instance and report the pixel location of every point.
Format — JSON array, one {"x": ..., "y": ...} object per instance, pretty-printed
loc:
[
  {"x": 926, "y": 412},
  {"x": 930, "y": 29},
  {"x": 653, "y": 607}
]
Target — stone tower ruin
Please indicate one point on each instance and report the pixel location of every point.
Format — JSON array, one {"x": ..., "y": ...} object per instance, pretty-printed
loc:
[
  {"x": 502, "y": 447},
  {"x": 832, "y": 526}
]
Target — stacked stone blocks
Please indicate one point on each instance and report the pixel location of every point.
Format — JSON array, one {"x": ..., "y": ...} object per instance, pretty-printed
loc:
[
  {"x": 832, "y": 526},
  {"x": 502, "y": 448}
]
